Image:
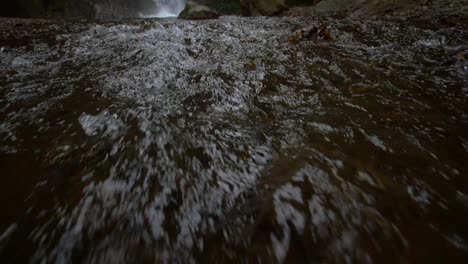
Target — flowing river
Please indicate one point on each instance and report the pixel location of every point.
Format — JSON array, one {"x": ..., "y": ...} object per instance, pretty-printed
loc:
[{"x": 170, "y": 141}]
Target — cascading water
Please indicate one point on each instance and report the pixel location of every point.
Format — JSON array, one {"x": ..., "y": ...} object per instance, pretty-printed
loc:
[{"x": 167, "y": 8}]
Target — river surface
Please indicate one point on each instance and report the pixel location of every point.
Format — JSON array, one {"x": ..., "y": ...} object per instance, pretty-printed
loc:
[{"x": 169, "y": 141}]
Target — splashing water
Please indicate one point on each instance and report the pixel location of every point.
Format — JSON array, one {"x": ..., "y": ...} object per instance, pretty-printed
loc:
[{"x": 167, "y": 8}]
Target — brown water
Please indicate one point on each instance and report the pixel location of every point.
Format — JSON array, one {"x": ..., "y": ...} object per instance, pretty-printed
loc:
[{"x": 153, "y": 141}]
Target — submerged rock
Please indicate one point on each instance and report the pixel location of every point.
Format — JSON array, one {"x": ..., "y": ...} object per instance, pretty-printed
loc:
[{"x": 197, "y": 11}]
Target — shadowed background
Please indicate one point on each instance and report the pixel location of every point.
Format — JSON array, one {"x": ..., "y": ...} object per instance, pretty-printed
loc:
[{"x": 110, "y": 9}]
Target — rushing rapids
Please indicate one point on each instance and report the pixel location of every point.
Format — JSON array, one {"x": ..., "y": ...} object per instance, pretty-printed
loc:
[{"x": 177, "y": 141}]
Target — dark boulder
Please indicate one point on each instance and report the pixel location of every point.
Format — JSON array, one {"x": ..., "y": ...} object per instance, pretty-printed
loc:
[
  {"x": 196, "y": 11},
  {"x": 262, "y": 7}
]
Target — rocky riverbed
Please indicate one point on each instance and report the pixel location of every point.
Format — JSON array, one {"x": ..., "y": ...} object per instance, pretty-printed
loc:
[{"x": 161, "y": 140}]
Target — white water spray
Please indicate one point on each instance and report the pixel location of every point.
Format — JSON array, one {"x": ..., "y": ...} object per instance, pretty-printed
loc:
[{"x": 167, "y": 8}]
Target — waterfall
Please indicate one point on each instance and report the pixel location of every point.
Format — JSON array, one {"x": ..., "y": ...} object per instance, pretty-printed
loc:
[{"x": 167, "y": 8}]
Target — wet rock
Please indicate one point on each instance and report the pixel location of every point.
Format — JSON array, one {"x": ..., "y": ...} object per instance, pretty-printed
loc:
[
  {"x": 262, "y": 7},
  {"x": 196, "y": 11},
  {"x": 224, "y": 7},
  {"x": 296, "y": 36},
  {"x": 322, "y": 32}
]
